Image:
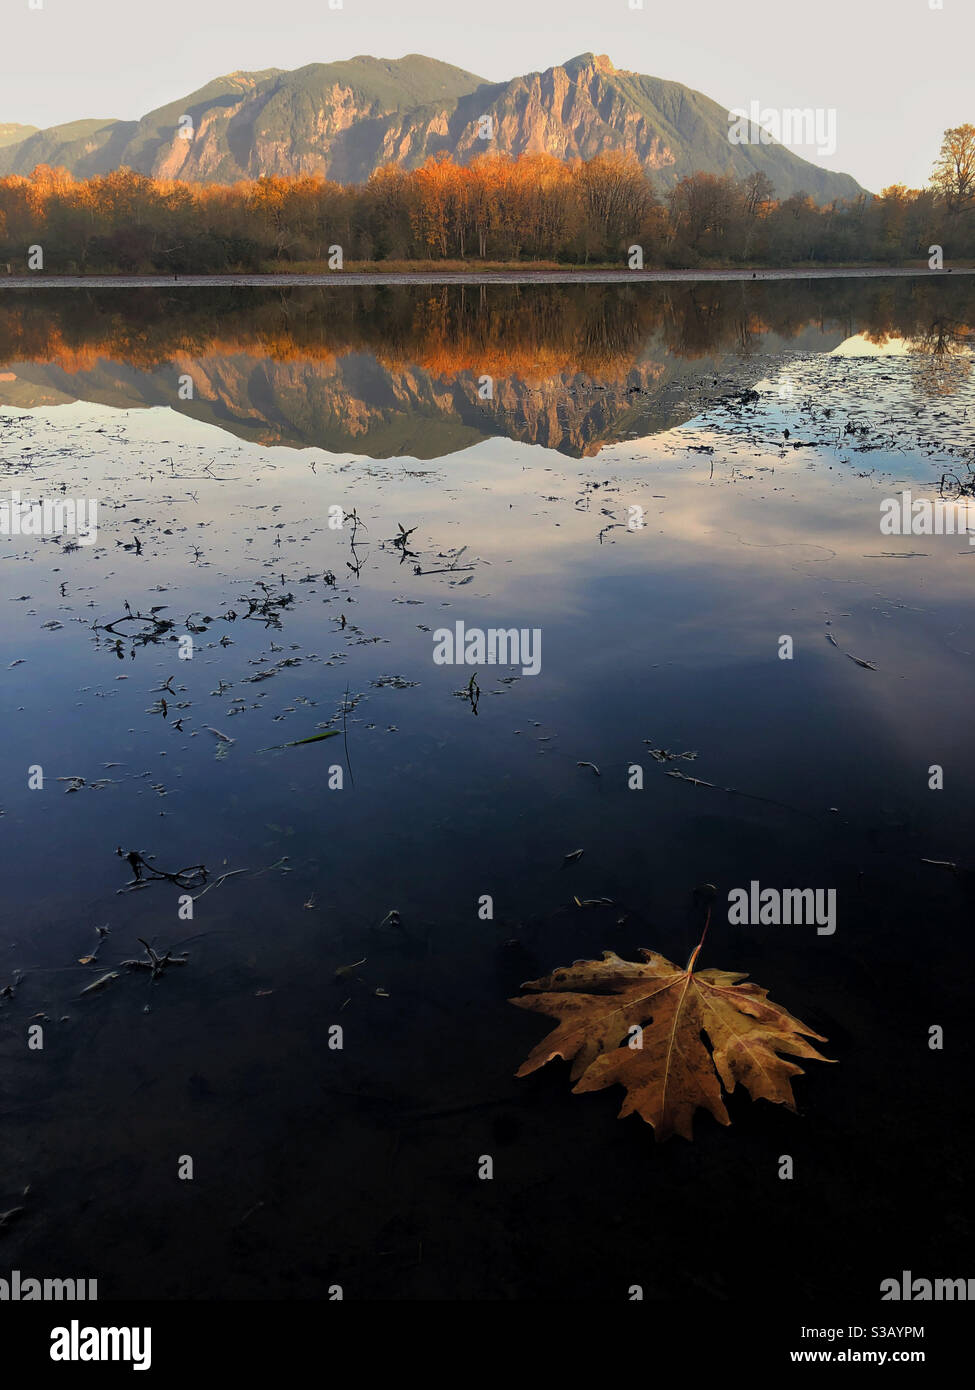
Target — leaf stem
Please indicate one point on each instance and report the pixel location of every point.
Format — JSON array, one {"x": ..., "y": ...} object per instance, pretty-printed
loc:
[{"x": 697, "y": 949}]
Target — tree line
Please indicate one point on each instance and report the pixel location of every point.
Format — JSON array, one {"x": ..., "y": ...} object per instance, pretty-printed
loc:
[{"x": 495, "y": 209}]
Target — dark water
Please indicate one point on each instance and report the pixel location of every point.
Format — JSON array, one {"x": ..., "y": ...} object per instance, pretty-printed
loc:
[{"x": 510, "y": 432}]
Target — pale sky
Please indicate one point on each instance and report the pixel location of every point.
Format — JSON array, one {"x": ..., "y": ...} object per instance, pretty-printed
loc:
[{"x": 897, "y": 72}]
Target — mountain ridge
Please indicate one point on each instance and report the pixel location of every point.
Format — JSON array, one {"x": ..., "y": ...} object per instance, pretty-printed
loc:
[{"x": 345, "y": 119}]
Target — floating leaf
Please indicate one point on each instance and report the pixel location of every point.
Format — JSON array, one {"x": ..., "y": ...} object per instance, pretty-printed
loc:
[{"x": 640, "y": 1025}]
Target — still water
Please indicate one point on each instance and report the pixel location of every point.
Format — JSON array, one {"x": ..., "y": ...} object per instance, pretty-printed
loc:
[{"x": 662, "y": 483}]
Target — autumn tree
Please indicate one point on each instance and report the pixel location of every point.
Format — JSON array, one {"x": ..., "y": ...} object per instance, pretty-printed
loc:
[
  {"x": 617, "y": 201},
  {"x": 954, "y": 170},
  {"x": 386, "y": 211},
  {"x": 758, "y": 190},
  {"x": 436, "y": 213},
  {"x": 703, "y": 210}
]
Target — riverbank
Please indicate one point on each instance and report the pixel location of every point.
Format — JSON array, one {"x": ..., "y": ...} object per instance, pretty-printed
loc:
[{"x": 561, "y": 276}]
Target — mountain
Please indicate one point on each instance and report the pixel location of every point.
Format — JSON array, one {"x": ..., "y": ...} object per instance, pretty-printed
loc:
[
  {"x": 346, "y": 119},
  {"x": 13, "y": 134}
]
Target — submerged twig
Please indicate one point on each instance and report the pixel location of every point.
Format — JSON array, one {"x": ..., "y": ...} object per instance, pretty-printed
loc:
[
  {"x": 156, "y": 963},
  {"x": 190, "y": 877}
]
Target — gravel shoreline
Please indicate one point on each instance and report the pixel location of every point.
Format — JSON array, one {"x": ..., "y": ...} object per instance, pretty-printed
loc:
[{"x": 456, "y": 277}]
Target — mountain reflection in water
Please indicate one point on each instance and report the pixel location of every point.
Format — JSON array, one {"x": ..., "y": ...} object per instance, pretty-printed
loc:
[{"x": 391, "y": 371}]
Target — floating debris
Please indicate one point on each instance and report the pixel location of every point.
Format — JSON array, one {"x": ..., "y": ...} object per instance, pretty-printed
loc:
[
  {"x": 298, "y": 742},
  {"x": 156, "y": 964},
  {"x": 100, "y": 983}
]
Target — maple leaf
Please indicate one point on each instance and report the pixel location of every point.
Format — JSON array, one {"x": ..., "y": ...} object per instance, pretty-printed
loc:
[{"x": 641, "y": 1025}]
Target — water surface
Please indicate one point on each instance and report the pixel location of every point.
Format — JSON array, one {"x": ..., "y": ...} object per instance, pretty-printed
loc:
[{"x": 512, "y": 432}]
